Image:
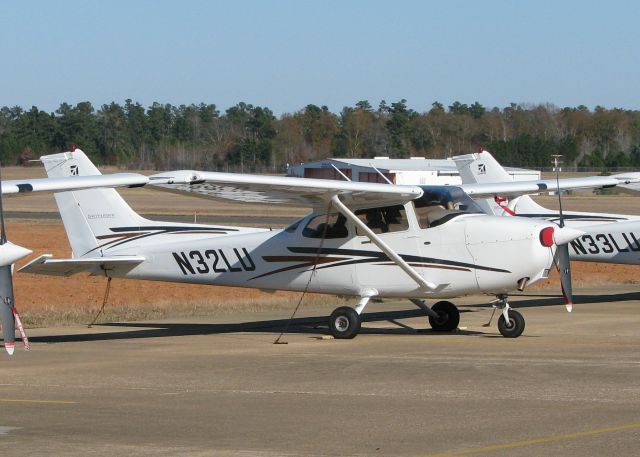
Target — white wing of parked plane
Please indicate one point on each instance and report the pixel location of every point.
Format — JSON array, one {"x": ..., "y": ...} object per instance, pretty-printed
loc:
[
  {"x": 517, "y": 188},
  {"x": 496, "y": 181},
  {"x": 22, "y": 186},
  {"x": 278, "y": 189}
]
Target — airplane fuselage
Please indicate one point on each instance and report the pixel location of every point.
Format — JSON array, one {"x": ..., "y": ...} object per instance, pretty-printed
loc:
[{"x": 470, "y": 253}]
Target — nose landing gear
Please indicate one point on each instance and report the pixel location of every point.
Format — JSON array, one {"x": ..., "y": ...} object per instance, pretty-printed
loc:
[{"x": 511, "y": 322}]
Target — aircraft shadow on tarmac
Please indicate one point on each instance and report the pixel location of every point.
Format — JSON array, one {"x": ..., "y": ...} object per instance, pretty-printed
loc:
[
  {"x": 538, "y": 300},
  {"x": 313, "y": 325},
  {"x": 309, "y": 325}
]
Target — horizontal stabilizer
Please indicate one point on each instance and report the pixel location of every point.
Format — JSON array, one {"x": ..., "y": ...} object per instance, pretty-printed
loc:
[{"x": 45, "y": 265}]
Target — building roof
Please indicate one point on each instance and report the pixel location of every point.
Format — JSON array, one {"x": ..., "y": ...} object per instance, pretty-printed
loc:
[
  {"x": 418, "y": 164},
  {"x": 413, "y": 164}
]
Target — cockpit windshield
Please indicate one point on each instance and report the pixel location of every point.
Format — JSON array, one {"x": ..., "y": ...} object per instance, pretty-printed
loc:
[{"x": 440, "y": 204}]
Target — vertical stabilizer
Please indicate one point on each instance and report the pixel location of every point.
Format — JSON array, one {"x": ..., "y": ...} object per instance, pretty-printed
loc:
[
  {"x": 87, "y": 214},
  {"x": 483, "y": 168}
]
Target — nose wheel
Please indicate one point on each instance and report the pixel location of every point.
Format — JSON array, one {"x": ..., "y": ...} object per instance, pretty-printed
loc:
[
  {"x": 511, "y": 322},
  {"x": 512, "y": 328}
]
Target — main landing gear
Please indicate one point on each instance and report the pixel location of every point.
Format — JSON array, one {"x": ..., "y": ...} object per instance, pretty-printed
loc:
[
  {"x": 345, "y": 322},
  {"x": 443, "y": 316}
]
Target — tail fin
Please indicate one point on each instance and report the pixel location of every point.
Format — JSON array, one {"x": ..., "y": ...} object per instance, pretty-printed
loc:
[
  {"x": 87, "y": 214},
  {"x": 482, "y": 167}
]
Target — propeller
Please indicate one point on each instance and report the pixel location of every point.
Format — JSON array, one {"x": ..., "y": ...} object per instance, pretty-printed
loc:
[
  {"x": 562, "y": 250},
  {"x": 9, "y": 254}
]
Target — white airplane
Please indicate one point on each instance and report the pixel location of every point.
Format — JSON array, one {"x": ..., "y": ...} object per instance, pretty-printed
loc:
[
  {"x": 362, "y": 239},
  {"x": 608, "y": 238},
  {"x": 11, "y": 253}
]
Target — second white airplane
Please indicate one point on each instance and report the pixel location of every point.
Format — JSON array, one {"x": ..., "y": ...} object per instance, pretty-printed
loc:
[{"x": 607, "y": 237}]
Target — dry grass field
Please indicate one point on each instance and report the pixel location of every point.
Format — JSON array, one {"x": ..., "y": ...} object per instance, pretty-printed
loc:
[{"x": 53, "y": 300}]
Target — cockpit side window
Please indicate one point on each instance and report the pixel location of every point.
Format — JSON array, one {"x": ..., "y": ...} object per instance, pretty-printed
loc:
[
  {"x": 384, "y": 220},
  {"x": 333, "y": 225},
  {"x": 441, "y": 204},
  {"x": 428, "y": 215}
]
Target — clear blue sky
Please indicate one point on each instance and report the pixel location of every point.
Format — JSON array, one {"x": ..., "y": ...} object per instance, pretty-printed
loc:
[{"x": 289, "y": 53}]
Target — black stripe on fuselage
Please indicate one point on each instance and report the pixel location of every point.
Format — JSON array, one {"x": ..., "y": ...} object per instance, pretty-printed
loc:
[
  {"x": 375, "y": 256},
  {"x": 154, "y": 230}
]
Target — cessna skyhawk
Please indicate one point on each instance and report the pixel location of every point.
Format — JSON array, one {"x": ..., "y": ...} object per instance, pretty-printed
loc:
[{"x": 361, "y": 239}]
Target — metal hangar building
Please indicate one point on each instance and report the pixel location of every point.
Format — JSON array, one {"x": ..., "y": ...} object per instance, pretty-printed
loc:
[{"x": 415, "y": 171}]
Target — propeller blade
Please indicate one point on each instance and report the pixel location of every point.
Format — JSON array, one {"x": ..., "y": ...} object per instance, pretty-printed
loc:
[
  {"x": 564, "y": 268},
  {"x": 6, "y": 309}
]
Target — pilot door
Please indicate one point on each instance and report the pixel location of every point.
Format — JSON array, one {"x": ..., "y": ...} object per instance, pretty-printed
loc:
[
  {"x": 373, "y": 268},
  {"x": 324, "y": 248}
]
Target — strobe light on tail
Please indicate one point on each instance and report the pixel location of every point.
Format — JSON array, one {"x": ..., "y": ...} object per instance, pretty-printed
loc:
[{"x": 364, "y": 240}]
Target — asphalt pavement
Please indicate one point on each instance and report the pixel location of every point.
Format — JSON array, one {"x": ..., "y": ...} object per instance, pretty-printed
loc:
[{"x": 569, "y": 386}]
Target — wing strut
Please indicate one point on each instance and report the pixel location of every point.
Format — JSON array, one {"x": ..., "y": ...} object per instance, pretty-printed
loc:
[{"x": 375, "y": 239}]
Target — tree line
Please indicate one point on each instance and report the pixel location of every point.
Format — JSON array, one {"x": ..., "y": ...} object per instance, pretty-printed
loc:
[{"x": 251, "y": 138}]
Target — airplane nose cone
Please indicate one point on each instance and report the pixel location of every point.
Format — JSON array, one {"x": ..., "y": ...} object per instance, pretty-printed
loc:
[{"x": 565, "y": 235}]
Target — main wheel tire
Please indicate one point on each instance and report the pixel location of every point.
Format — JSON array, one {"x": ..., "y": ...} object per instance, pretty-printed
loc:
[
  {"x": 449, "y": 317},
  {"x": 515, "y": 327},
  {"x": 344, "y": 323}
]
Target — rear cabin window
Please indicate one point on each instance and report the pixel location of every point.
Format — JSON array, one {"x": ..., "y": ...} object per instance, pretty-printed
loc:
[
  {"x": 333, "y": 225},
  {"x": 384, "y": 220}
]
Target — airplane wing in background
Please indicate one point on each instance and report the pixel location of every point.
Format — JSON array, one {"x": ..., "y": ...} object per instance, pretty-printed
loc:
[
  {"x": 285, "y": 190},
  {"x": 517, "y": 188},
  {"x": 483, "y": 177}
]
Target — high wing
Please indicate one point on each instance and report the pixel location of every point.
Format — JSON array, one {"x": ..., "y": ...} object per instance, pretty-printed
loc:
[
  {"x": 344, "y": 196},
  {"x": 20, "y": 186},
  {"x": 482, "y": 181},
  {"x": 277, "y": 189}
]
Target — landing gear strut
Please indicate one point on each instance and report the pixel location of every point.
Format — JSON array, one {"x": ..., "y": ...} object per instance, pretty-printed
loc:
[{"x": 511, "y": 322}]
